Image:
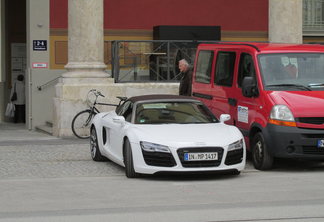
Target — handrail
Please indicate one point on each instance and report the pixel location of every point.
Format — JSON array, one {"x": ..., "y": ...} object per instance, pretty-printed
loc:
[{"x": 47, "y": 83}]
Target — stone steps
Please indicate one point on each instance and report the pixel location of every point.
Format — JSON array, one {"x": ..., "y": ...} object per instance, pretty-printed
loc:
[{"x": 47, "y": 128}]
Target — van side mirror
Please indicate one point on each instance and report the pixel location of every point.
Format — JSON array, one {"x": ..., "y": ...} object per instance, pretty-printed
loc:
[{"x": 249, "y": 88}]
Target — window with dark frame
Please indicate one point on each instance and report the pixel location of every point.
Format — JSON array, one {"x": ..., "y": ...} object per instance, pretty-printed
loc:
[
  {"x": 204, "y": 66},
  {"x": 246, "y": 68},
  {"x": 224, "y": 68}
]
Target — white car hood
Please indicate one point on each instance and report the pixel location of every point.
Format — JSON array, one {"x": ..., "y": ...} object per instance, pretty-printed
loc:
[{"x": 216, "y": 134}]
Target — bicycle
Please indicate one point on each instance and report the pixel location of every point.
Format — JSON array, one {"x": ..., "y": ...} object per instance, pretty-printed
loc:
[{"x": 82, "y": 120}]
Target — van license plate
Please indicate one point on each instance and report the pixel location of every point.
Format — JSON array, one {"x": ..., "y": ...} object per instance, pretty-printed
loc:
[
  {"x": 200, "y": 156},
  {"x": 320, "y": 143}
]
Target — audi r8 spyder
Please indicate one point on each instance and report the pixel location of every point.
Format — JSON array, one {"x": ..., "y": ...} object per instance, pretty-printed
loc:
[{"x": 166, "y": 133}]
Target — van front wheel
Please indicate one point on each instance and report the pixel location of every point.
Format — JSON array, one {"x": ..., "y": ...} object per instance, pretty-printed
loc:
[{"x": 262, "y": 160}]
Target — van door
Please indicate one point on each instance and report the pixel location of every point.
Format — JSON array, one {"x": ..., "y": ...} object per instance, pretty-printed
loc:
[
  {"x": 201, "y": 87},
  {"x": 222, "y": 91},
  {"x": 247, "y": 109}
]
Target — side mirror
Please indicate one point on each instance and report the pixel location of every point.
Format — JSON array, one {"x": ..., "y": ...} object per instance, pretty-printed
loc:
[
  {"x": 249, "y": 88},
  {"x": 224, "y": 117},
  {"x": 119, "y": 119}
]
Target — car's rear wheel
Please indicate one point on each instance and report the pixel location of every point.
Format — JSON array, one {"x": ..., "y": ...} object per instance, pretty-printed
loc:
[
  {"x": 262, "y": 159},
  {"x": 128, "y": 160},
  {"x": 94, "y": 147}
]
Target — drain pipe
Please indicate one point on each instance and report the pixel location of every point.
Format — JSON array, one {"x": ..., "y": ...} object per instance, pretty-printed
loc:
[{"x": 30, "y": 84}]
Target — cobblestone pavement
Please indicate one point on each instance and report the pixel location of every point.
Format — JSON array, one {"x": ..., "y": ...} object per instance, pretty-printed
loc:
[
  {"x": 32, "y": 161},
  {"x": 30, "y": 154}
]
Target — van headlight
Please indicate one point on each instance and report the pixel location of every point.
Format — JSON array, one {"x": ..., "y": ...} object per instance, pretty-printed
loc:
[
  {"x": 236, "y": 145},
  {"x": 281, "y": 115},
  {"x": 153, "y": 147}
]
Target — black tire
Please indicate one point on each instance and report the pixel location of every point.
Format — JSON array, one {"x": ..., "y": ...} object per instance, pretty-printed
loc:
[
  {"x": 262, "y": 159},
  {"x": 128, "y": 161},
  {"x": 81, "y": 124},
  {"x": 94, "y": 147}
]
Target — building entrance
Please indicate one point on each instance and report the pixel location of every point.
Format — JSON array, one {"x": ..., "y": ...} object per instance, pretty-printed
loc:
[{"x": 14, "y": 61}]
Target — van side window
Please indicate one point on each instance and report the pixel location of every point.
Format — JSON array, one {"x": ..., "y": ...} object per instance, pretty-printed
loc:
[
  {"x": 224, "y": 68},
  {"x": 246, "y": 68},
  {"x": 204, "y": 66}
]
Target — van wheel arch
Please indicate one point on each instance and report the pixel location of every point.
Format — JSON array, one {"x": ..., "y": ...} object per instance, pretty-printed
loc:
[{"x": 253, "y": 131}]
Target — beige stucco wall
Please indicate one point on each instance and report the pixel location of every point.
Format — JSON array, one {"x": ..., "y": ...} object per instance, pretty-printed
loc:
[
  {"x": 286, "y": 21},
  {"x": 39, "y": 103}
]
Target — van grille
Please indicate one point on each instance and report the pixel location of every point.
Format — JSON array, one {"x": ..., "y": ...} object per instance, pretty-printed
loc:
[
  {"x": 313, "y": 150},
  {"x": 234, "y": 157},
  {"x": 311, "y": 120},
  {"x": 210, "y": 163}
]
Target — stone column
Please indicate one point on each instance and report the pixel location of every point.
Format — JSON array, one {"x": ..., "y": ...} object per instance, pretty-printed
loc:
[
  {"x": 286, "y": 21},
  {"x": 85, "y": 68},
  {"x": 86, "y": 39}
]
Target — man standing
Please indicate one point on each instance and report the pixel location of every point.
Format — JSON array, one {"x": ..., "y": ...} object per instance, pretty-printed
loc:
[{"x": 186, "y": 78}]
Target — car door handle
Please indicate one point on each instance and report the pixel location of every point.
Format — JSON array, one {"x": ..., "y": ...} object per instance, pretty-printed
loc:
[{"x": 232, "y": 101}]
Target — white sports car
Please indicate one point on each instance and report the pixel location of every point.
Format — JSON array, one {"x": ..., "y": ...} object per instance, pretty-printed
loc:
[{"x": 166, "y": 133}]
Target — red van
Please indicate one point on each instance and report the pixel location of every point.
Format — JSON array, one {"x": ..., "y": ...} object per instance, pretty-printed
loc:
[{"x": 273, "y": 92}]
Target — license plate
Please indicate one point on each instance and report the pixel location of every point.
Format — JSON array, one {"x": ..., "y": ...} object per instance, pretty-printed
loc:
[
  {"x": 200, "y": 156},
  {"x": 320, "y": 143}
]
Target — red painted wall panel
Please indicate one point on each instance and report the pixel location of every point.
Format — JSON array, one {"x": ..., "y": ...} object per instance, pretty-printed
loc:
[
  {"x": 238, "y": 15},
  {"x": 59, "y": 14}
]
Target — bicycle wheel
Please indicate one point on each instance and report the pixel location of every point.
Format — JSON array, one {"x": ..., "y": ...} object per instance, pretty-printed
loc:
[{"x": 81, "y": 124}]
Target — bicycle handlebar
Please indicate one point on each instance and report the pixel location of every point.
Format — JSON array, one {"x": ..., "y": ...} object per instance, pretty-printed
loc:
[
  {"x": 96, "y": 92},
  {"x": 99, "y": 93}
]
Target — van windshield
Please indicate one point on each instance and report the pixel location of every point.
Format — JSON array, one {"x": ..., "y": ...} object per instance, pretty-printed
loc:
[{"x": 292, "y": 71}]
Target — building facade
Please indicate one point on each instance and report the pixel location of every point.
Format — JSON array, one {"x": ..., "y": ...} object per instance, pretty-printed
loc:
[{"x": 36, "y": 41}]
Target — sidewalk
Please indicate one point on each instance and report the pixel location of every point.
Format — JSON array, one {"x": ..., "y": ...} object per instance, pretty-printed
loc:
[{"x": 17, "y": 133}]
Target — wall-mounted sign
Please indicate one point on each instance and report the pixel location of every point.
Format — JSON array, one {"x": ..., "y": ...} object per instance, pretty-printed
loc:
[
  {"x": 40, "y": 65},
  {"x": 39, "y": 45}
]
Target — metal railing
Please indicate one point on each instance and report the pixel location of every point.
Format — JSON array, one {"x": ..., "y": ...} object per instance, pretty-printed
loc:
[
  {"x": 313, "y": 16},
  {"x": 150, "y": 60},
  {"x": 41, "y": 87}
]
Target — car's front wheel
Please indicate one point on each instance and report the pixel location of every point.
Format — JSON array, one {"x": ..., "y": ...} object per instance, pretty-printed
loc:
[
  {"x": 262, "y": 159},
  {"x": 128, "y": 161},
  {"x": 94, "y": 147}
]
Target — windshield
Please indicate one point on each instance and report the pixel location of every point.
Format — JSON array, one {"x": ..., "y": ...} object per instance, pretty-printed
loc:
[
  {"x": 173, "y": 112},
  {"x": 292, "y": 71}
]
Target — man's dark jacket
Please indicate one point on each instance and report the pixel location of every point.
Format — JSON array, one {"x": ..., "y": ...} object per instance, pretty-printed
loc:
[{"x": 185, "y": 83}]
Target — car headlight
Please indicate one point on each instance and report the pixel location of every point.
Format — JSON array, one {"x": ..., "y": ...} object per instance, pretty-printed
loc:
[
  {"x": 281, "y": 115},
  {"x": 236, "y": 145},
  {"x": 153, "y": 147}
]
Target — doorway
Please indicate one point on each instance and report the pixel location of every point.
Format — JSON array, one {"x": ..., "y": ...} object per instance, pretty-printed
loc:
[{"x": 15, "y": 55}]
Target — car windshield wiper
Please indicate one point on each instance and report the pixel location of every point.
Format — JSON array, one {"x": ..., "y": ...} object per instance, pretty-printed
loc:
[
  {"x": 314, "y": 85},
  {"x": 290, "y": 85}
]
